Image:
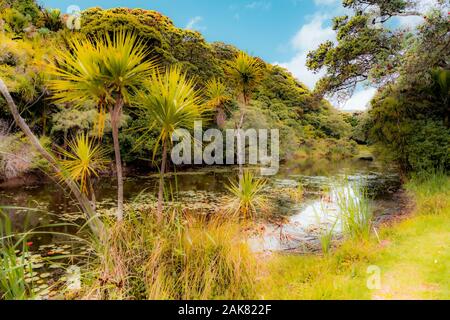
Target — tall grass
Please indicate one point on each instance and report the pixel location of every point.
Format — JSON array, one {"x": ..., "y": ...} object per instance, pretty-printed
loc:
[
  {"x": 355, "y": 210},
  {"x": 327, "y": 228},
  {"x": 13, "y": 268},
  {"x": 431, "y": 192},
  {"x": 326, "y": 235},
  {"x": 182, "y": 258}
]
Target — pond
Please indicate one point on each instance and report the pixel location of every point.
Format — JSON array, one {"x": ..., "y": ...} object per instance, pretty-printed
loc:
[{"x": 45, "y": 205}]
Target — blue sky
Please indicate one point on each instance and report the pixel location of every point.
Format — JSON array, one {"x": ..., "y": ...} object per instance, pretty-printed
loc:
[
  {"x": 262, "y": 27},
  {"x": 279, "y": 31}
]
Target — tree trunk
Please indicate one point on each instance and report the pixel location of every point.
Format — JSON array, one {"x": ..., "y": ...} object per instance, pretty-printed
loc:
[
  {"x": 161, "y": 182},
  {"x": 85, "y": 205},
  {"x": 115, "y": 122},
  {"x": 220, "y": 117},
  {"x": 239, "y": 141}
]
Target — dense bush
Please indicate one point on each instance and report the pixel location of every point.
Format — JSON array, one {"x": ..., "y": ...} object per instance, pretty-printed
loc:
[
  {"x": 410, "y": 119},
  {"x": 428, "y": 146}
]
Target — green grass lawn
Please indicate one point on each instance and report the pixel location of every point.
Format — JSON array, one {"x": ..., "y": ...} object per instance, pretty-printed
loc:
[{"x": 413, "y": 258}]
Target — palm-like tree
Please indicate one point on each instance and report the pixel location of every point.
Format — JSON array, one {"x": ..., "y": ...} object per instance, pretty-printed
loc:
[
  {"x": 171, "y": 102},
  {"x": 105, "y": 70},
  {"x": 216, "y": 93},
  {"x": 246, "y": 72}
]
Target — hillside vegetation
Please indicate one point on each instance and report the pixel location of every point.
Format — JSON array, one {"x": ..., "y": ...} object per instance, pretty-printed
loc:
[{"x": 30, "y": 35}]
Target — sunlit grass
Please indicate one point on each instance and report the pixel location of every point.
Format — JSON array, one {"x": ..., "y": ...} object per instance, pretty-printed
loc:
[
  {"x": 180, "y": 258},
  {"x": 432, "y": 192}
]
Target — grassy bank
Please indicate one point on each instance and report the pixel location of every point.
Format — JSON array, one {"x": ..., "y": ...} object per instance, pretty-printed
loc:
[{"x": 413, "y": 257}]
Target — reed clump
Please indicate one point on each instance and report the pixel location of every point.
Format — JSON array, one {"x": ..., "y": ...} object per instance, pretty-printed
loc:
[{"x": 183, "y": 257}]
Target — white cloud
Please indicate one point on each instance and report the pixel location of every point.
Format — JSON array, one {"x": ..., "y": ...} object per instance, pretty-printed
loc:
[
  {"x": 325, "y": 2},
  {"x": 297, "y": 66},
  {"x": 316, "y": 31},
  {"x": 410, "y": 22},
  {"x": 193, "y": 24},
  {"x": 308, "y": 38},
  {"x": 359, "y": 101},
  {"x": 262, "y": 5},
  {"x": 311, "y": 35},
  {"x": 425, "y": 5}
]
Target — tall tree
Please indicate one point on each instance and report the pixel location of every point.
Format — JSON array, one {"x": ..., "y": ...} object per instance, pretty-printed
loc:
[
  {"x": 246, "y": 72},
  {"x": 216, "y": 93},
  {"x": 105, "y": 70},
  {"x": 170, "y": 102},
  {"x": 368, "y": 48}
]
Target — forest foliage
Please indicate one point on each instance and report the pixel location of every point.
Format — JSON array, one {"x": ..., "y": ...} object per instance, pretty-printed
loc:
[{"x": 409, "y": 117}]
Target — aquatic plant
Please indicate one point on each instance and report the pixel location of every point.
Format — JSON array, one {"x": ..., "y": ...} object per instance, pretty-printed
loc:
[
  {"x": 247, "y": 198},
  {"x": 326, "y": 232},
  {"x": 13, "y": 267},
  {"x": 355, "y": 210},
  {"x": 296, "y": 194}
]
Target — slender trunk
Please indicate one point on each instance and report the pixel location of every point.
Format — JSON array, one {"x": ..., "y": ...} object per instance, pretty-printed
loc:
[
  {"x": 93, "y": 199},
  {"x": 220, "y": 117},
  {"x": 44, "y": 121},
  {"x": 115, "y": 122},
  {"x": 83, "y": 201},
  {"x": 447, "y": 116},
  {"x": 241, "y": 155},
  {"x": 161, "y": 181}
]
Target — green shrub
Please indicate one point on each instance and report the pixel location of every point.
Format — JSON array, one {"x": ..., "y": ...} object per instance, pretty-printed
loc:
[{"x": 428, "y": 146}]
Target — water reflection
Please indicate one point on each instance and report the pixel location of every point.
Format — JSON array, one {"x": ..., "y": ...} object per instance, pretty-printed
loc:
[{"x": 308, "y": 222}]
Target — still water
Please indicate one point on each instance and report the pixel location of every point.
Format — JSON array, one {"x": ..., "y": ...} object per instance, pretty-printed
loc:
[{"x": 43, "y": 206}]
